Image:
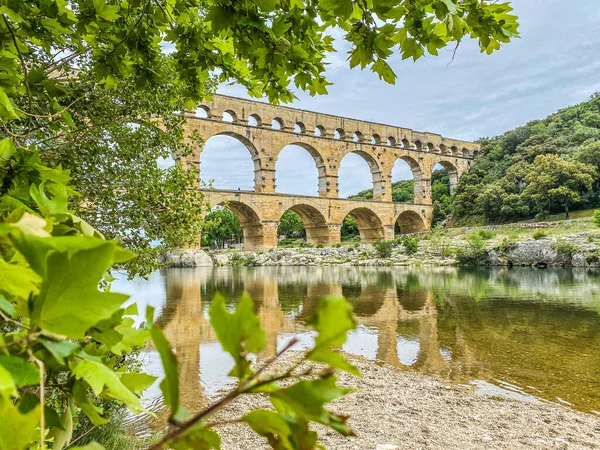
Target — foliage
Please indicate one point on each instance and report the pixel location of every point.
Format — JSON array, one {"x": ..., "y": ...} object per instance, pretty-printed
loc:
[
  {"x": 295, "y": 405},
  {"x": 411, "y": 244},
  {"x": 542, "y": 168},
  {"x": 482, "y": 233},
  {"x": 349, "y": 228},
  {"x": 474, "y": 253},
  {"x": 242, "y": 259},
  {"x": 597, "y": 217},
  {"x": 565, "y": 248},
  {"x": 383, "y": 248},
  {"x": 62, "y": 349},
  {"x": 294, "y": 243},
  {"x": 290, "y": 224},
  {"x": 537, "y": 235},
  {"x": 220, "y": 226}
]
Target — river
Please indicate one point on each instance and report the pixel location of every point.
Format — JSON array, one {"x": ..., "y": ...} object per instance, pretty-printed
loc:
[{"x": 532, "y": 334}]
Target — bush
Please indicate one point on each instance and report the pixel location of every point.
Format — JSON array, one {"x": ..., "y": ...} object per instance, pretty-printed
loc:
[
  {"x": 294, "y": 243},
  {"x": 505, "y": 246},
  {"x": 597, "y": 217},
  {"x": 383, "y": 248},
  {"x": 411, "y": 245},
  {"x": 539, "y": 235},
  {"x": 474, "y": 253},
  {"x": 242, "y": 259},
  {"x": 483, "y": 234},
  {"x": 565, "y": 248}
]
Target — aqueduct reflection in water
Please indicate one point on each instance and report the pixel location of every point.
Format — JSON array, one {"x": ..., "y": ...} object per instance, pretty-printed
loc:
[{"x": 538, "y": 330}]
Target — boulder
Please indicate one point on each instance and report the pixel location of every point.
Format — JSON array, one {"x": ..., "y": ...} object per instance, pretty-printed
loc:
[
  {"x": 187, "y": 258},
  {"x": 540, "y": 253}
]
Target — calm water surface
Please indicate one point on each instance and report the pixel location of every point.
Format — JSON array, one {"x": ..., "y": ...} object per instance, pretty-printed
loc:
[{"x": 526, "y": 333}]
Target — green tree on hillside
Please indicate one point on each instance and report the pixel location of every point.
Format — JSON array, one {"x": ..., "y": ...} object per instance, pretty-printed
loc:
[{"x": 552, "y": 179}]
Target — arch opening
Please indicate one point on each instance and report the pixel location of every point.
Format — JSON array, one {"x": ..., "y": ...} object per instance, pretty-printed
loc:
[
  {"x": 464, "y": 152},
  {"x": 391, "y": 141},
  {"x": 368, "y": 224},
  {"x": 320, "y": 131},
  {"x": 410, "y": 222},
  {"x": 202, "y": 112},
  {"x": 354, "y": 180},
  {"x": 229, "y": 116},
  {"x": 222, "y": 229},
  {"x": 443, "y": 180},
  {"x": 304, "y": 221},
  {"x": 230, "y": 150},
  {"x": 357, "y": 137},
  {"x": 338, "y": 133},
  {"x": 475, "y": 153},
  {"x": 300, "y": 169},
  {"x": 254, "y": 120},
  {"x": 277, "y": 124},
  {"x": 299, "y": 128},
  {"x": 406, "y": 143},
  {"x": 376, "y": 139},
  {"x": 418, "y": 145},
  {"x": 406, "y": 177}
]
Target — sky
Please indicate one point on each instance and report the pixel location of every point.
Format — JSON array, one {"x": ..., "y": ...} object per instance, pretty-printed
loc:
[{"x": 555, "y": 63}]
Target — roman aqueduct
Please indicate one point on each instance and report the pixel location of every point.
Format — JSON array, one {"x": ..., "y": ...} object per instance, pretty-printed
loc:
[{"x": 265, "y": 130}]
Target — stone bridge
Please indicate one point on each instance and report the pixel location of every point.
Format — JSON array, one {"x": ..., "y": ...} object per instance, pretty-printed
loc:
[{"x": 265, "y": 130}]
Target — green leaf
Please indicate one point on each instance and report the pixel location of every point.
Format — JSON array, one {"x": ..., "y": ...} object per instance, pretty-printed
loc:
[
  {"x": 7, "y": 150},
  {"x": 60, "y": 350},
  {"x": 239, "y": 333},
  {"x": 82, "y": 400},
  {"x": 306, "y": 399},
  {"x": 270, "y": 425},
  {"x": 62, "y": 437},
  {"x": 198, "y": 438},
  {"x": 70, "y": 302},
  {"x": 170, "y": 385},
  {"x": 18, "y": 281},
  {"x": 137, "y": 382},
  {"x": 384, "y": 71},
  {"x": 8, "y": 388},
  {"x": 7, "y": 110},
  {"x": 29, "y": 401},
  {"x": 23, "y": 372},
  {"x": 103, "y": 380},
  {"x": 17, "y": 430}
]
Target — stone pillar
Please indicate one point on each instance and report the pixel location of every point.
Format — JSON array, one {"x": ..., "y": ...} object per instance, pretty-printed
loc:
[
  {"x": 388, "y": 232},
  {"x": 264, "y": 180},
  {"x": 422, "y": 190},
  {"x": 328, "y": 186},
  {"x": 335, "y": 232},
  {"x": 269, "y": 235},
  {"x": 385, "y": 193}
]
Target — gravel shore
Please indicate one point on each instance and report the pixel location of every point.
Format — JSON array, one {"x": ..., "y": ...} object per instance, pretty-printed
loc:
[{"x": 398, "y": 410}]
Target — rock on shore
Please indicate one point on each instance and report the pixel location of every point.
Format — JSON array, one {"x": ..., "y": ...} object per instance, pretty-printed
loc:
[{"x": 187, "y": 258}]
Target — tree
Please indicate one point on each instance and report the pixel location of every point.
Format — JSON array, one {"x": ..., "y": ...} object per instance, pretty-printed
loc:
[
  {"x": 219, "y": 226},
  {"x": 349, "y": 228},
  {"x": 65, "y": 67},
  {"x": 289, "y": 224},
  {"x": 554, "y": 179}
]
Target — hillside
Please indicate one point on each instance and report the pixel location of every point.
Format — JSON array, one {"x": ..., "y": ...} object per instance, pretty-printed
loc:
[{"x": 546, "y": 167}]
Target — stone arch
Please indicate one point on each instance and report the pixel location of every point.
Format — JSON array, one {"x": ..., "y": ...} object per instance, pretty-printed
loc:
[
  {"x": 464, "y": 152},
  {"x": 431, "y": 148},
  {"x": 375, "y": 139},
  {"x": 475, "y": 153},
  {"x": 314, "y": 222},
  {"x": 339, "y": 133},
  {"x": 251, "y": 223},
  {"x": 376, "y": 172},
  {"x": 320, "y": 131},
  {"x": 419, "y": 188},
  {"x": 391, "y": 141},
  {"x": 205, "y": 109},
  {"x": 319, "y": 162},
  {"x": 358, "y": 137},
  {"x": 452, "y": 172},
  {"x": 405, "y": 143},
  {"x": 258, "y": 172},
  {"x": 410, "y": 222},
  {"x": 229, "y": 116},
  {"x": 254, "y": 120},
  {"x": 277, "y": 123},
  {"x": 444, "y": 150},
  {"x": 299, "y": 128},
  {"x": 368, "y": 223},
  {"x": 417, "y": 145}
]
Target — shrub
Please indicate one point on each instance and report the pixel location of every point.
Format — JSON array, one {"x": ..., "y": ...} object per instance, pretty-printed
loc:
[
  {"x": 483, "y": 234},
  {"x": 411, "y": 245},
  {"x": 242, "y": 259},
  {"x": 539, "y": 235},
  {"x": 505, "y": 246},
  {"x": 565, "y": 248},
  {"x": 474, "y": 253},
  {"x": 597, "y": 217},
  {"x": 383, "y": 248}
]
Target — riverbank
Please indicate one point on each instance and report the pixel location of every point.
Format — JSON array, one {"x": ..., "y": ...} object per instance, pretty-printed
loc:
[
  {"x": 392, "y": 409},
  {"x": 571, "y": 243}
]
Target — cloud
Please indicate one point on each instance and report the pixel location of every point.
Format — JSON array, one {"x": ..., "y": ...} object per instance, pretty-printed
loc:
[{"x": 554, "y": 64}]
